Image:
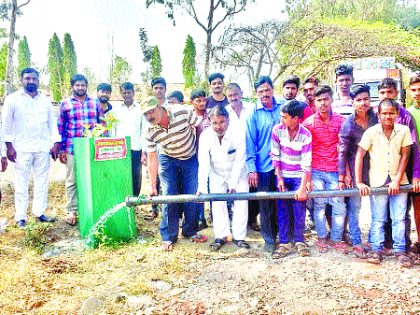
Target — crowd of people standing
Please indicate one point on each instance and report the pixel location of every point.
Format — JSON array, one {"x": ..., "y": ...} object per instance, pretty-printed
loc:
[{"x": 314, "y": 140}]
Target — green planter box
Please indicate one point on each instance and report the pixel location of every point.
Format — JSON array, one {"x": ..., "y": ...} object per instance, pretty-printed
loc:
[{"x": 104, "y": 180}]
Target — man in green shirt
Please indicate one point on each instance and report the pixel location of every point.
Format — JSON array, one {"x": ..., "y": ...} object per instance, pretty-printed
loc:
[{"x": 414, "y": 91}]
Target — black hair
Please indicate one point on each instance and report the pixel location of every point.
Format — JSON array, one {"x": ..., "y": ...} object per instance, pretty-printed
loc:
[
  {"x": 178, "y": 95},
  {"x": 359, "y": 89},
  {"x": 78, "y": 77},
  {"x": 389, "y": 102},
  {"x": 219, "y": 110},
  {"x": 158, "y": 80},
  {"x": 104, "y": 87},
  {"x": 29, "y": 70},
  {"x": 344, "y": 69},
  {"x": 388, "y": 83},
  {"x": 127, "y": 86},
  {"x": 414, "y": 79},
  {"x": 261, "y": 80},
  {"x": 215, "y": 76},
  {"x": 292, "y": 79},
  {"x": 323, "y": 89},
  {"x": 313, "y": 80},
  {"x": 233, "y": 86},
  {"x": 293, "y": 108},
  {"x": 197, "y": 93}
]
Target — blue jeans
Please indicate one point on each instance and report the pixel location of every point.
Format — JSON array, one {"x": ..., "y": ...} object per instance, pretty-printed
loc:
[
  {"x": 268, "y": 211},
  {"x": 178, "y": 177},
  {"x": 328, "y": 181},
  {"x": 398, "y": 210},
  {"x": 289, "y": 209},
  {"x": 353, "y": 206}
]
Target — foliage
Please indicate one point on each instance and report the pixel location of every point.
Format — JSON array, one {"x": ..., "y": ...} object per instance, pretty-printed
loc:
[
  {"x": 24, "y": 55},
  {"x": 69, "y": 59},
  {"x": 97, "y": 130},
  {"x": 144, "y": 44},
  {"x": 121, "y": 71},
  {"x": 222, "y": 9},
  {"x": 188, "y": 63},
  {"x": 3, "y": 65},
  {"x": 55, "y": 67},
  {"x": 156, "y": 63},
  {"x": 91, "y": 78},
  {"x": 35, "y": 236}
]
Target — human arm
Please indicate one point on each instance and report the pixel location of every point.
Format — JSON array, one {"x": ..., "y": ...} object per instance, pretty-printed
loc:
[
  {"x": 415, "y": 155},
  {"x": 364, "y": 189},
  {"x": 300, "y": 194},
  {"x": 62, "y": 123},
  {"x": 239, "y": 161},
  {"x": 203, "y": 164},
  {"x": 275, "y": 154},
  {"x": 343, "y": 153},
  {"x": 152, "y": 167},
  {"x": 251, "y": 142}
]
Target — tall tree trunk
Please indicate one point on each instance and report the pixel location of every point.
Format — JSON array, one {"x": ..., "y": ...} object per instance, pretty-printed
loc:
[
  {"x": 208, "y": 52},
  {"x": 9, "y": 67}
]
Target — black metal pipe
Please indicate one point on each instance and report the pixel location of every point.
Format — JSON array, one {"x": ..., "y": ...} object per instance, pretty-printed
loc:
[{"x": 134, "y": 201}]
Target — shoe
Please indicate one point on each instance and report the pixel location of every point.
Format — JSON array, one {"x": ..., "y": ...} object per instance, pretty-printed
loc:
[
  {"x": 44, "y": 218},
  {"x": 255, "y": 227},
  {"x": 269, "y": 247},
  {"x": 21, "y": 223},
  {"x": 202, "y": 225},
  {"x": 241, "y": 244}
]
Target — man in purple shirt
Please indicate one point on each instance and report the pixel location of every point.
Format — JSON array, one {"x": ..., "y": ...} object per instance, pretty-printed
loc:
[{"x": 75, "y": 111}]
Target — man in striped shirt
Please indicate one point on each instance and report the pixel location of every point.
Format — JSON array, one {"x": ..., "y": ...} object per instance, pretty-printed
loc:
[
  {"x": 291, "y": 153},
  {"x": 174, "y": 130},
  {"x": 325, "y": 126}
]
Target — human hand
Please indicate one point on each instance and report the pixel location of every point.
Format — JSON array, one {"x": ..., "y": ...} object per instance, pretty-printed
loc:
[{"x": 364, "y": 190}]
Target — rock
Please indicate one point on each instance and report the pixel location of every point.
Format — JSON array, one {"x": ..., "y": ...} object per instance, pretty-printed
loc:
[
  {"x": 139, "y": 302},
  {"x": 120, "y": 297},
  {"x": 93, "y": 305},
  {"x": 161, "y": 286}
]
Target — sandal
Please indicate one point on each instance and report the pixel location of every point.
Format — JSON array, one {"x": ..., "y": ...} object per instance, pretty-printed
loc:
[
  {"x": 342, "y": 247},
  {"x": 71, "y": 218},
  {"x": 322, "y": 245},
  {"x": 302, "y": 249},
  {"x": 217, "y": 244},
  {"x": 404, "y": 260},
  {"x": 282, "y": 250},
  {"x": 241, "y": 244},
  {"x": 359, "y": 252},
  {"x": 415, "y": 258},
  {"x": 167, "y": 246},
  {"x": 375, "y": 257},
  {"x": 198, "y": 238}
]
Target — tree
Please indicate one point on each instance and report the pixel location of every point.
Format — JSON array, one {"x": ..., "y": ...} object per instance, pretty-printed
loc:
[
  {"x": 144, "y": 44},
  {"x": 91, "y": 78},
  {"x": 156, "y": 63},
  {"x": 121, "y": 71},
  {"x": 188, "y": 63},
  {"x": 55, "y": 67},
  {"x": 10, "y": 11},
  {"x": 224, "y": 9},
  {"x": 3, "y": 66},
  {"x": 24, "y": 55},
  {"x": 69, "y": 59}
]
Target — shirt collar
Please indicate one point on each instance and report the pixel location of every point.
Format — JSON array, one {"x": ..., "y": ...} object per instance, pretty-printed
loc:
[{"x": 261, "y": 105}]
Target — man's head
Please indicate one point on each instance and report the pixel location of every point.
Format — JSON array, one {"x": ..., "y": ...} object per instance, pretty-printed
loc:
[
  {"x": 264, "y": 89},
  {"x": 127, "y": 92},
  {"x": 79, "y": 84},
  {"x": 414, "y": 89},
  {"x": 159, "y": 89},
  {"x": 216, "y": 83},
  {"x": 151, "y": 110},
  {"x": 291, "y": 112},
  {"x": 360, "y": 95},
  {"x": 290, "y": 87},
  {"x": 29, "y": 78},
  {"x": 176, "y": 97},
  {"x": 323, "y": 99},
  {"x": 199, "y": 99},
  {"x": 344, "y": 78},
  {"x": 388, "y": 113},
  {"x": 309, "y": 86},
  {"x": 103, "y": 92},
  {"x": 234, "y": 94},
  {"x": 219, "y": 120},
  {"x": 387, "y": 88}
]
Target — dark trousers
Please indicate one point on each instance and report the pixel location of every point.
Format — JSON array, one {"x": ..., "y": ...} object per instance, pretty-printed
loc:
[
  {"x": 136, "y": 171},
  {"x": 268, "y": 211},
  {"x": 253, "y": 208}
]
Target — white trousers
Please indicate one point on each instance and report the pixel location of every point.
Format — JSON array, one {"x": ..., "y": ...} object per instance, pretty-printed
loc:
[
  {"x": 221, "y": 226},
  {"x": 39, "y": 162}
]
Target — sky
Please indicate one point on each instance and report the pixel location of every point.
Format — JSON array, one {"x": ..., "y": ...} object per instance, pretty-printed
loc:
[{"x": 93, "y": 23}]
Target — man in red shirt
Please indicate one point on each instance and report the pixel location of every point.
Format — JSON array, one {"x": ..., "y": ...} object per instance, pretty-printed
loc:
[{"x": 325, "y": 126}]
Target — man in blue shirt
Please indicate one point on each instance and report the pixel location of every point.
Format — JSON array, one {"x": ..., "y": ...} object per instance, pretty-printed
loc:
[{"x": 259, "y": 126}]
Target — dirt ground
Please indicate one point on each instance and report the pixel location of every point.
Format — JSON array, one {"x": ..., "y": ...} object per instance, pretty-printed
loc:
[{"x": 46, "y": 269}]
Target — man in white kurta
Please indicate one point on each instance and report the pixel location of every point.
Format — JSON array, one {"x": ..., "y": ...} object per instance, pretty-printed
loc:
[
  {"x": 31, "y": 135},
  {"x": 221, "y": 158}
]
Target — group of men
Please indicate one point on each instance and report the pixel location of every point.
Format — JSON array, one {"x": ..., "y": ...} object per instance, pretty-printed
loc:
[{"x": 315, "y": 140}]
